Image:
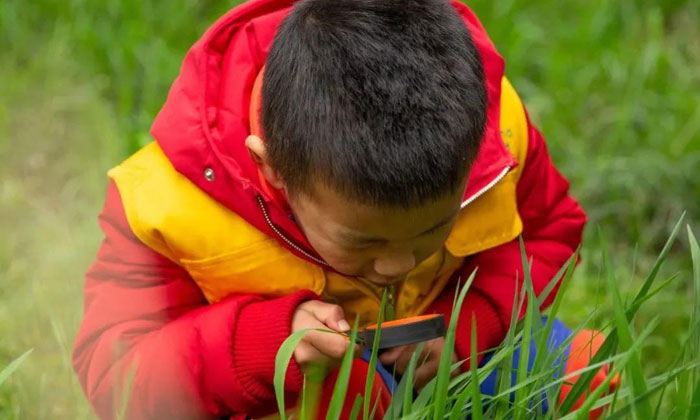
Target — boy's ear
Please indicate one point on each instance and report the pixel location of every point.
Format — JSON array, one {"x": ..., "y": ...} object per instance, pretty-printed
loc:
[{"x": 258, "y": 152}]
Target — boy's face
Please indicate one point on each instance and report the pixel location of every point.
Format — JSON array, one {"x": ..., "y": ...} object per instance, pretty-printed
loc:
[{"x": 379, "y": 244}]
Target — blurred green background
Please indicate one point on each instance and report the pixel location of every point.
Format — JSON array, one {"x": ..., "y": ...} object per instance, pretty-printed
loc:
[{"x": 614, "y": 86}]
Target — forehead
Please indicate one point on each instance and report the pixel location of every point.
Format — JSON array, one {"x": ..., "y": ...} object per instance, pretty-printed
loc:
[{"x": 346, "y": 218}]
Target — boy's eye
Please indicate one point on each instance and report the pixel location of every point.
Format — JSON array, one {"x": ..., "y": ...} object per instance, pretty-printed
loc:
[{"x": 364, "y": 244}]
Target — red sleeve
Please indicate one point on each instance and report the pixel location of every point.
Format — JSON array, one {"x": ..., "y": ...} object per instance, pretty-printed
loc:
[
  {"x": 552, "y": 228},
  {"x": 144, "y": 314}
]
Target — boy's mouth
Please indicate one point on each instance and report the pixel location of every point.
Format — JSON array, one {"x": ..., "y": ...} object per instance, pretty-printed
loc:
[{"x": 383, "y": 282}]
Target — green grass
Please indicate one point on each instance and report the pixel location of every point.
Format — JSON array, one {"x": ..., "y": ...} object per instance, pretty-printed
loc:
[{"x": 613, "y": 85}]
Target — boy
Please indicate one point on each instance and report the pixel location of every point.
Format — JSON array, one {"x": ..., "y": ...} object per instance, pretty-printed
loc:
[{"x": 310, "y": 156}]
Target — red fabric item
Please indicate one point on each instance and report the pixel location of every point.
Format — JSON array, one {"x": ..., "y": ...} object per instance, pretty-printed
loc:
[
  {"x": 380, "y": 395},
  {"x": 191, "y": 359},
  {"x": 552, "y": 227}
]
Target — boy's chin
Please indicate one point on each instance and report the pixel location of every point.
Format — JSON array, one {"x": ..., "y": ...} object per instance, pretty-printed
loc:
[{"x": 379, "y": 281}]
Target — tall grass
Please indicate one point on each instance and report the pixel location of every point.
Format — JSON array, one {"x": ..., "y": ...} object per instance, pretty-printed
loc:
[{"x": 639, "y": 396}]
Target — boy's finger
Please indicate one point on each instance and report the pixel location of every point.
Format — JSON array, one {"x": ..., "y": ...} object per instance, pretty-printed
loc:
[
  {"x": 332, "y": 345},
  {"x": 390, "y": 356},
  {"x": 404, "y": 359},
  {"x": 331, "y": 315},
  {"x": 424, "y": 374}
]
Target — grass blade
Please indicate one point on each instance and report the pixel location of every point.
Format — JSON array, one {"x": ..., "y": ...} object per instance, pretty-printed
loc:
[
  {"x": 408, "y": 392},
  {"x": 304, "y": 408},
  {"x": 558, "y": 277},
  {"x": 554, "y": 310},
  {"x": 403, "y": 395},
  {"x": 658, "y": 288},
  {"x": 355, "y": 407},
  {"x": 477, "y": 409},
  {"x": 341, "y": 385},
  {"x": 694, "y": 409},
  {"x": 284, "y": 355},
  {"x": 12, "y": 367},
  {"x": 655, "y": 269},
  {"x": 504, "y": 371},
  {"x": 425, "y": 395},
  {"x": 634, "y": 371},
  {"x": 373, "y": 360},
  {"x": 543, "y": 346},
  {"x": 532, "y": 323},
  {"x": 695, "y": 256},
  {"x": 659, "y": 403},
  {"x": 311, "y": 393},
  {"x": 444, "y": 369},
  {"x": 458, "y": 408}
]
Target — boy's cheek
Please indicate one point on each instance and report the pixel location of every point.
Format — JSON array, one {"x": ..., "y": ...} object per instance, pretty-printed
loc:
[
  {"x": 348, "y": 263},
  {"x": 345, "y": 263}
]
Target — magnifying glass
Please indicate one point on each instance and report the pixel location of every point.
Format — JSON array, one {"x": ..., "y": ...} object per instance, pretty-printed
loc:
[{"x": 405, "y": 331}]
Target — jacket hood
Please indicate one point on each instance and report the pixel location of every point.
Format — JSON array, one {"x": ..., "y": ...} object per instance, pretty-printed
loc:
[{"x": 204, "y": 122}]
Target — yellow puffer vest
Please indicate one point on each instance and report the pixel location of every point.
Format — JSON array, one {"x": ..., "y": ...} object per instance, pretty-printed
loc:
[{"x": 226, "y": 255}]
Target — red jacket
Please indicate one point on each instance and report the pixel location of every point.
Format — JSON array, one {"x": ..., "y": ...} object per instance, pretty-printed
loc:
[{"x": 144, "y": 311}]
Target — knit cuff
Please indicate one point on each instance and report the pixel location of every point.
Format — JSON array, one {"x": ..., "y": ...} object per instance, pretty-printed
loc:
[{"x": 261, "y": 328}]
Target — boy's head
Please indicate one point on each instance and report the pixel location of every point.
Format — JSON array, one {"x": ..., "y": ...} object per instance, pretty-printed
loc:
[{"x": 372, "y": 113}]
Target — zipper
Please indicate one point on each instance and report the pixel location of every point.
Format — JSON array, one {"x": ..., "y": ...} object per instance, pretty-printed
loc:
[
  {"x": 284, "y": 238},
  {"x": 486, "y": 187}
]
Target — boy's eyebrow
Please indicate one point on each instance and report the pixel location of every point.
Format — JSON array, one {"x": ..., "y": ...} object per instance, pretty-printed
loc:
[{"x": 353, "y": 237}]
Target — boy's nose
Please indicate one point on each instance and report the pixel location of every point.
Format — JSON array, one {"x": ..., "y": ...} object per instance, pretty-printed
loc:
[{"x": 394, "y": 265}]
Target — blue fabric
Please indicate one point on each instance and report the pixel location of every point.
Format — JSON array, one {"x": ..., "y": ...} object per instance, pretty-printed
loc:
[
  {"x": 388, "y": 379},
  {"x": 557, "y": 338}
]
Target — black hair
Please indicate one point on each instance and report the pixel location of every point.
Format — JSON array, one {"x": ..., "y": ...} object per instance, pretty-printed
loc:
[{"x": 382, "y": 100}]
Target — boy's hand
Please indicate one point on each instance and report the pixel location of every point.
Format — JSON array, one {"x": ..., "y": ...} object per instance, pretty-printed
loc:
[
  {"x": 320, "y": 348},
  {"x": 428, "y": 361}
]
